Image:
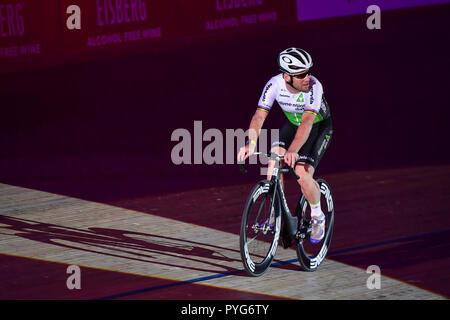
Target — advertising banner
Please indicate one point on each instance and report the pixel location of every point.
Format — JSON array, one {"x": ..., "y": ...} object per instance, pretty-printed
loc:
[
  {"x": 107, "y": 23},
  {"x": 208, "y": 16},
  {"x": 93, "y": 24},
  {"x": 47, "y": 29},
  {"x": 21, "y": 28}
]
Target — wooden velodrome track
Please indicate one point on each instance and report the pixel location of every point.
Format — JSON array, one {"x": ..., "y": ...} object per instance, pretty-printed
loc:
[
  {"x": 86, "y": 176},
  {"x": 184, "y": 245}
]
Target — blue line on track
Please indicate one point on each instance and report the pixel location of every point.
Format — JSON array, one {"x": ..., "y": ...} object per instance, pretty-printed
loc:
[{"x": 275, "y": 264}]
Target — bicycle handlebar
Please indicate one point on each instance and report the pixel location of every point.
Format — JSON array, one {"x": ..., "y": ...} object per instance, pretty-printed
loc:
[{"x": 273, "y": 156}]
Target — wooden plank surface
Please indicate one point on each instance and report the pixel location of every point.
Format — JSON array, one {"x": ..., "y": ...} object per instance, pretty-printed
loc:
[{"x": 57, "y": 228}]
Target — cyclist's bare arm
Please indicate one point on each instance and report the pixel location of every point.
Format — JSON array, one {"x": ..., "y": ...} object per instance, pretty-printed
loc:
[
  {"x": 256, "y": 124},
  {"x": 255, "y": 127}
]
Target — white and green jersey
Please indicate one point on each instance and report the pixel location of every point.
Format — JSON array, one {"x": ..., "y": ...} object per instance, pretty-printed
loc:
[{"x": 295, "y": 104}]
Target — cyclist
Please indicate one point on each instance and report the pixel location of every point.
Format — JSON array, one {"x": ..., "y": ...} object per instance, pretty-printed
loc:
[{"x": 307, "y": 132}]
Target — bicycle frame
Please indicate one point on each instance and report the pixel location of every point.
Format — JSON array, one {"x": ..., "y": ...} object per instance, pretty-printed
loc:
[
  {"x": 294, "y": 230},
  {"x": 291, "y": 221}
]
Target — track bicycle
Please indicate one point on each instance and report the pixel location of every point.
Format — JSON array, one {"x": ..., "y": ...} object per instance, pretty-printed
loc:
[{"x": 266, "y": 217}]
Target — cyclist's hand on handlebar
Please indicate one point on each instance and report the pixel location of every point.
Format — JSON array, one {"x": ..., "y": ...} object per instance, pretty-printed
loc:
[
  {"x": 245, "y": 152},
  {"x": 290, "y": 158}
]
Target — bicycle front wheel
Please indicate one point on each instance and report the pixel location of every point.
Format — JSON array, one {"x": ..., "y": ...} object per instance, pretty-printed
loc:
[
  {"x": 260, "y": 229},
  {"x": 311, "y": 255}
]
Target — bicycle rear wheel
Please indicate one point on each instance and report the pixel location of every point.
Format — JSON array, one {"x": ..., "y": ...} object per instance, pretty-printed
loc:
[
  {"x": 260, "y": 229},
  {"x": 312, "y": 255}
]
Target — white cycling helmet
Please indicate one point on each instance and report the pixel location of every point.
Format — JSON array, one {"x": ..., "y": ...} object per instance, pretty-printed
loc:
[{"x": 294, "y": 60}]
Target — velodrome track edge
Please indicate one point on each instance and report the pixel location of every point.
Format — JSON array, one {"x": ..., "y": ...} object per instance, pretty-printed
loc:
[{"x": 291, "y": 263}]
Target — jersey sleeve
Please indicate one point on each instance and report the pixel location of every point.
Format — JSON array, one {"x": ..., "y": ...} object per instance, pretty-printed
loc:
[
  {"x": 315, "y": 98},
  {"x": 268, "y": 96}
]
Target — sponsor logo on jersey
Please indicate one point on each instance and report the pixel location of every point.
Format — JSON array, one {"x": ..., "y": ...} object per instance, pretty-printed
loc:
[
  {"x": 295, "y": 105},
  {"x": 265, "y": 91},
  {"x": 306, "y": 158},
  {"x": 323, "y": 106}
]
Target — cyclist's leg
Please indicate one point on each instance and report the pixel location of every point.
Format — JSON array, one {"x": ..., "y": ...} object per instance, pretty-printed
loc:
[
  {"x": 287, "y": 134},
  {"x": 309, "y": 157},
  {"x": 311, "y": 191},
  {"x": 271, "y": 163},
  {"x": 309, "y": 186}
]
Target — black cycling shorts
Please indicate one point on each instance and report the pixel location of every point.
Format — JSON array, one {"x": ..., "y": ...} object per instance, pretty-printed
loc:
[{"x": 316, "y": 145}]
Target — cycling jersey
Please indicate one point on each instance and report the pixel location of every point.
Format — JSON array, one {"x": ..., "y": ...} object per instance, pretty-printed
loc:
[{"x": 295, "y": 104}]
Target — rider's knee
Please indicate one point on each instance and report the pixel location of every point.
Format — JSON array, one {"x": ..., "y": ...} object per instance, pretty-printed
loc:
[
  {"x": 304, "y": 172},
  {"x": 278, "y": 150}
]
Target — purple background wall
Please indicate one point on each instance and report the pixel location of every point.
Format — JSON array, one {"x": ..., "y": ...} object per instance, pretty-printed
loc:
[
  {"x": 319, "y": 9},
  {"x": 101, "y": 130}
]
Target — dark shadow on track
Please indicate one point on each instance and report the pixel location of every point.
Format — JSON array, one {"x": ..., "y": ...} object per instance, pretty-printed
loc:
[{"x": 124, "y": 244}]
